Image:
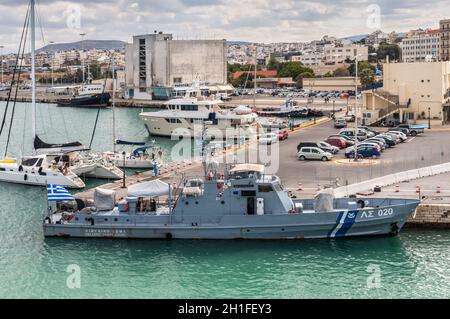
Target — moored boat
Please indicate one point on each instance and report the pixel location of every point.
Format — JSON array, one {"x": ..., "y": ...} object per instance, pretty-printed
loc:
[{"x": 243, "y": 203}]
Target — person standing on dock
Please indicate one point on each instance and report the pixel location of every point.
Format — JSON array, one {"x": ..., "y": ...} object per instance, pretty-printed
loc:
[{"x": 155, "y": 168}]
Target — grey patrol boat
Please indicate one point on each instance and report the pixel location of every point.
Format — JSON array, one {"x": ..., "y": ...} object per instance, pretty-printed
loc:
[{"x": 244, "y": 203}]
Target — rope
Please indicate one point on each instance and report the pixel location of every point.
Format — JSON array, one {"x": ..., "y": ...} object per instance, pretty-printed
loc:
[
  {"x": 17, "y": 89},
  {"x": 14, "y": 72}
]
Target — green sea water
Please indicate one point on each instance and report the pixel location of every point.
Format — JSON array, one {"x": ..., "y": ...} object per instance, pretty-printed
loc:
[{"x": 413, "y": 264}]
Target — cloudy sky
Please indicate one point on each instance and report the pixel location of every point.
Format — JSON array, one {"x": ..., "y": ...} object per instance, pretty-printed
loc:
[{"x": 250, "y": 20}]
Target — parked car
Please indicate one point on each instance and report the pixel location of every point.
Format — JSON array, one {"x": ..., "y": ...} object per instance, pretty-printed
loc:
[
  {"x": 371, "y": 144},
  {"x": 380, "y": 143},
  {"x": 337, "y": 141},
  {"x": 400, "y": 129},
  {"x": 413, "y": 129},
  {"x": 350, "y": 141},
  {"x": 364, "y": 151},
  {"x": 313, "y": 153},
  {"x": 388, "y": 139},
  {"x": 340, "y": 123},
  {"x": 307, "y": 144},
  {"x": 268, "y": 138},
  {"x": 283, "y": 135},
  {"x": 401, "y": 135},
  {"x": 328, "y": 147},
  {"x": 350, "y": 132},
  {"x": 394, "y": 136}
]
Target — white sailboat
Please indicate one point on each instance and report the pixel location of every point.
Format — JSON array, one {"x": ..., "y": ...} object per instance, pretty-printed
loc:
[
  {"x": 36, "y": 170},
  {"x": 143, "y": 157}
]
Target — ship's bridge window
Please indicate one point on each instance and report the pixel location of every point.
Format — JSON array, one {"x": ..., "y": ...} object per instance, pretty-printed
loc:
[
  {"x": 189, "y": 107},
  {"x": 265, "y": 188},
  {"x": 29, "y": 161},
  {"x": 173, "y": 120}
]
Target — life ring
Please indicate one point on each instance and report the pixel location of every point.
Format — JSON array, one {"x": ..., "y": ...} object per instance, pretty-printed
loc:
[{"x": 361, "y": 203}]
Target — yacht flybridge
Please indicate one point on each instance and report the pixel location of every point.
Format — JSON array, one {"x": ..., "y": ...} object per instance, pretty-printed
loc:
[
  {"x": 37, "y": 169},
  {"x": 186, "y": 117}
]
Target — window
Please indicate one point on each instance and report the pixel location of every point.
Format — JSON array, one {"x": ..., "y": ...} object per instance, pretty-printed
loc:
[
  {"x": 29, "y": 162},
  {"x": 248, "y": 193},
  {"x": 315, "y": 151},
  {"x": 265, "y": 188}
]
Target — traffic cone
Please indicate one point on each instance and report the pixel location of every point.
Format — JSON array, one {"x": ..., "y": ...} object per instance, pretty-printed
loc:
[
  {"x": 417, "y": 189},
  {"x": 300, "y": 188},
  {"x": 397, "y": 188},
  {"x": 438, "y": 189}
]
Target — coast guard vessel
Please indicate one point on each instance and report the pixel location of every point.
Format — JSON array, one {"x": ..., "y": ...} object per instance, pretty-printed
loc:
[{"x": 243, "y": 203}]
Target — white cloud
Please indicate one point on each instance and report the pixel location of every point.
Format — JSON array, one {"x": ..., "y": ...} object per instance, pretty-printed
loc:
[{"x": 252, "y": 20}]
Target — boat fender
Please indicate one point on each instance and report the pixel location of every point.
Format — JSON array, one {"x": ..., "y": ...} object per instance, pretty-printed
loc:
[
  {"x": 361, "y": 203},
  {"x": 169, "y": 236},
  {"x": 20, "y": 168},
  {"x": 25, "y": 177}
]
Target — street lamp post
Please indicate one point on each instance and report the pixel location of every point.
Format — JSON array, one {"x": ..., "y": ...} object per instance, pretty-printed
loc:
[
  {"x": 123, "y": 177},
  {"x": 429, "y": 118},
  {"x": 356, "y": 107},
  {"x": 53, "y": 58},
  {"x": 82, "y": 52}
]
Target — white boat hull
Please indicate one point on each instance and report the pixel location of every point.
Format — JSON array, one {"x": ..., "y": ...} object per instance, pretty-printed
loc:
[{"x": 31, "y": 177}]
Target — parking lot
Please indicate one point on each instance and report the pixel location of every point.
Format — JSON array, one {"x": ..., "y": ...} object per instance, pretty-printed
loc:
[{"x": 423, "y": 150}]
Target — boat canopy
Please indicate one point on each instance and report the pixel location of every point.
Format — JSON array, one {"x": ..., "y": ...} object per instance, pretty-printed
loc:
[
  {"x": 39, "y": 144},
  {"x": 248, "y": 168},
  {"x": 104, "y": 199},
  {"x": 141, "y": 150},
  {"x": 152, "y": 189},
  {"x": 122, "y": 142}
]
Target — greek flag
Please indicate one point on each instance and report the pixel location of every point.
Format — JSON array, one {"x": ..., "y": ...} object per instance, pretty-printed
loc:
[{"x": 57, "y": 193}]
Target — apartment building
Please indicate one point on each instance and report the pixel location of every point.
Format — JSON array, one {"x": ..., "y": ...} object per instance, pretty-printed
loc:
[
  {"x": 445, "y": 39},
  {"x": 338, "y": 54},
  {"x": 421, "y": 46}
]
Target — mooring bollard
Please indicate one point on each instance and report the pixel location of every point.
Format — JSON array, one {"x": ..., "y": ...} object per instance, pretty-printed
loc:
[
  {"x": 397, "y": 188},
  {"x": 438, "y": 189},
  {"x": 300, "y": 188}
]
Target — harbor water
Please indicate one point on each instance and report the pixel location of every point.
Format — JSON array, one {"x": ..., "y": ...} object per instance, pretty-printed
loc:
[{"x": 413, "y": 264}]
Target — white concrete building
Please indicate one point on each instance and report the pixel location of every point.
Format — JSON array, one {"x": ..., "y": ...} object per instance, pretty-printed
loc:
[
  {"x": 339, "y": 54},
  {"x": 421, "y": 46},
  {"x": 155, "y": 62},
  {"x": 411, "y": 93}
]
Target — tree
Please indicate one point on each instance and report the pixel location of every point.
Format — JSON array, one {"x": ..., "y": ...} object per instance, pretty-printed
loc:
[
  {"x": 293, "y": 70},
  {"x": 386, "y": 49},
  {"x": 341, "y": 71},
  {"x": 361, "y": 66},
  {"x": 367, "y": 76},
  {"x": 240, "y": 82}
]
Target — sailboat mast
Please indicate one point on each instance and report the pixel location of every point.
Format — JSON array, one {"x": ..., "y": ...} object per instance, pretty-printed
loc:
[
  {"x": 254, "y": 80},
  {"x": 33, "y": 67},
  {"x": 114, "y": 104}
]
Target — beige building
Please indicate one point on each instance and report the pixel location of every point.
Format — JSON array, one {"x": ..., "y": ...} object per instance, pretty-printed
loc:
[
  {"x": 330, "y": 84},
  {"x": 410, "y": 92},
  {"x": 340, "y": 54},
  {"x": 445, "y": 39}
]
